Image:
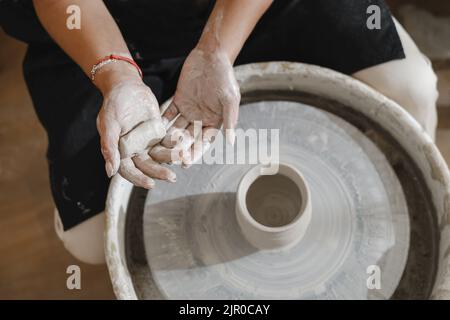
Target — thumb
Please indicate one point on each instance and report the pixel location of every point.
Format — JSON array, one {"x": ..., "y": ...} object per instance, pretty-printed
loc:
[{"x": 109, "y": 130}]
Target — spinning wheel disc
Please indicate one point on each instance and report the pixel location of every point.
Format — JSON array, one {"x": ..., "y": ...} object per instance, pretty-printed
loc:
[{"x": 196, "y": 250}]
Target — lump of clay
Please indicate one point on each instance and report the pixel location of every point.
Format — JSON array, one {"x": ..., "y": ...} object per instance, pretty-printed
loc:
[{"x": 144, "y": 136}]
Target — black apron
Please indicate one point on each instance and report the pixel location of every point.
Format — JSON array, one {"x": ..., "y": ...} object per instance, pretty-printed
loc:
[{"x": 160, "y": 34}]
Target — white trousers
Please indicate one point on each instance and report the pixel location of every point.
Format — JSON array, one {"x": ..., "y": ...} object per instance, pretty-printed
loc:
[
  {"x": 84, "y": 241},
  {"x": 410, "y": 82}
]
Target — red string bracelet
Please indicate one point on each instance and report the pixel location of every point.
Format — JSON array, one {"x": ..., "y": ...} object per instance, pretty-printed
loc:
[{"x": 112, "y": 58}]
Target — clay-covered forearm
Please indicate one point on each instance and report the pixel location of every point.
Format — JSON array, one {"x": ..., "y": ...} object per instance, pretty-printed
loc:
[
  {"x": 97, "y": 36},
  {"x": 230, "y": 24}
]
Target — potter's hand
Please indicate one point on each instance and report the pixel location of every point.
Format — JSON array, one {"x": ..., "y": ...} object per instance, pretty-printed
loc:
[
  {"x": 129, "y": 123},
  {"x": 207, "y": 91}
]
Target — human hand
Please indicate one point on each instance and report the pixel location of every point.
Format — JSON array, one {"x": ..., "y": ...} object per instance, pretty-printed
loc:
[
  {"x": 207, "y": 91},
  {"x": 129, "y": 123}
]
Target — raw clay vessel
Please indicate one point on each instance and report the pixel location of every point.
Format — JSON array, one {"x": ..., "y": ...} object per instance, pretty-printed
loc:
[
  {"x": 273, "y": 211},
  {"x": 363, "y": 186}
]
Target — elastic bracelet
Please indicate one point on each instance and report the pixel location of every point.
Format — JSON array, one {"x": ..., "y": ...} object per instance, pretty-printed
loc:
[{"x": 112, "y": 58}]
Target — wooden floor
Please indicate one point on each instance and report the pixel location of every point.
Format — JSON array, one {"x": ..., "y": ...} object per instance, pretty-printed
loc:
[
  {"x": 32, "y": 260},
  {"x": 437, "y": 7}
]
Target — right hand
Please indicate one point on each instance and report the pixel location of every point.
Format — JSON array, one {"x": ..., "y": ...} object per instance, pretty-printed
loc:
[
  {"x": 207, "y": 91},
  {"x": 129, "y": 123}
]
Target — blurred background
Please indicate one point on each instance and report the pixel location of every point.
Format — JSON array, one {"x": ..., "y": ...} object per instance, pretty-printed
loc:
[{"x": 33, "y": 261}]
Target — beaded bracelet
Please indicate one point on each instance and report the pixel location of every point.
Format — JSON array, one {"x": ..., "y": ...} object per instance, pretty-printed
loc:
[{"x": 112, "y": 58}]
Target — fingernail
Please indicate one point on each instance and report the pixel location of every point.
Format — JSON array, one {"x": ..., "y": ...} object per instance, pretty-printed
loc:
[
  {"x": 230, "y": 136},
  {"x": 109, "y": 169},
  {"x": 150, "y": 184},
  {"x": 185, "y": 158},
  {"x": 172, "y": 177},
  {"x": 205, "y": 147},
  {"x": 186, "y": 164}
]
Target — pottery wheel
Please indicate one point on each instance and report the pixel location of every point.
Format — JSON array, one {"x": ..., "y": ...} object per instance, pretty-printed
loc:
[{"x": 195, "y": 248}]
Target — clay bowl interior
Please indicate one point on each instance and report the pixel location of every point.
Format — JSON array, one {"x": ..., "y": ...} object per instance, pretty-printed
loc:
[{"x": 273, "y": 211}]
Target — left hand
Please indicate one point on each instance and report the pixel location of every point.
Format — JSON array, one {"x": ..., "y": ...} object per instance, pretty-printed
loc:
[{"x": 207, "y": 91}]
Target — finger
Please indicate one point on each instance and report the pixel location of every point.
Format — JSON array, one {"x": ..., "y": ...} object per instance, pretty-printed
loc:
[
  {"x": 162, "y": 154},
  {"x": 129, "y": 171},
  {"x": 144, "y": 136},
  {"x": 109, "y": 131},
  {"x": 153, "y": 169},
  {"x": 230, "y": 117},
  {"x": 171, "y": 112},
  {"x": 210, "y": 133},
  {"x": 198, "y": 150},
  {"x": 192, "y": 132},
  {"x": 202, "y": 144},
  {"x": 189, "y": 135},
  {"x": 175, "y": 133}
]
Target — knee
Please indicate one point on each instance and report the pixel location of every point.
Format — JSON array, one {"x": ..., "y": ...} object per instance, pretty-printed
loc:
[
  {"x": 85, "y": 241},
  {"x": 422, "y": 93},
  {"x": 417, "y": 93},
  {"x": 411, "y": 83}
]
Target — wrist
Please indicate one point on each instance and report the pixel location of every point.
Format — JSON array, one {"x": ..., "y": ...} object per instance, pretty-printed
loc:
[
  {"x": 215, "y": 49},
  {"x": 114, "y": 74}
]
